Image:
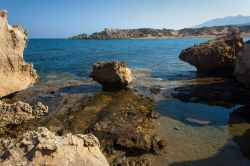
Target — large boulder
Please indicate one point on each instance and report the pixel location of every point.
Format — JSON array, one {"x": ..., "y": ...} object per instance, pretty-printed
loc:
[
  {"x": 216, "y": 55},
  {"x": 112, "y": 74},
  {"x": 15, "y": 73},
  {"x": 242, "y": 67},
  {"x": 42, "y": 147}
]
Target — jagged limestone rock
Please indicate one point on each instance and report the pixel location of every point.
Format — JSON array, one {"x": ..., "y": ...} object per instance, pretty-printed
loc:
[
  {"x": 18, "y": 113},
  {"x": 42, "y": 147},
  {"x": 15, "y": 73}
]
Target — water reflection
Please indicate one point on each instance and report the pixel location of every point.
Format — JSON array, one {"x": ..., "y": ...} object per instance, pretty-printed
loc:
[
  {"x": 239, "y": 128},
  {"x": 194, "y": 114},
  {"x": 83, "y": 88}
]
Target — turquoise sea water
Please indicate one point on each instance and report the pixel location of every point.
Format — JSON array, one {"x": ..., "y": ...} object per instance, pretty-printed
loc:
[{"x": 77, "y": 56}]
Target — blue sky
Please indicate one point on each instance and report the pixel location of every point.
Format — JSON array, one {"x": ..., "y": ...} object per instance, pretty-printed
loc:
[{"x": 64, "y": 18}]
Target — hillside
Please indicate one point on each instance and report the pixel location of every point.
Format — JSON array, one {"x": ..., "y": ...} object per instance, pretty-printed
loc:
[
  {"x": 216, "y": 31},
  {"x": 230, "y": 20}
]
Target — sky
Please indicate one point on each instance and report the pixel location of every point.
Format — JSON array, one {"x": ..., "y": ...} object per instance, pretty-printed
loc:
[{"x": 65, "y": 18}]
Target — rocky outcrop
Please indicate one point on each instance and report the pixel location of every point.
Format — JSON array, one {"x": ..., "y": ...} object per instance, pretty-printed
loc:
[
  {"x": 18, "y": 113},
  {"x": 112, "y": 74},
  {"x": 42, "y": 147},
  {"x": 15, "y": 73},
  {"x": 217, "y": 55},
  {"x": 114, "y": 33},
  {"x": 242, "y": 67}
]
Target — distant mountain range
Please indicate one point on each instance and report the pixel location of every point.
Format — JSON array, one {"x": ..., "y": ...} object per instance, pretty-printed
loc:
[{"x": 230, "y": 20}]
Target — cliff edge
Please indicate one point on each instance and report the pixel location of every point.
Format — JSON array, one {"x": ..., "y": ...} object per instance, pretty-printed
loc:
[{"x": 15, "y": 73}]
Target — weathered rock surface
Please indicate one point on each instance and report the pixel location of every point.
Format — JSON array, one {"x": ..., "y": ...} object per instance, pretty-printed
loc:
[
  {"x": 112, "y": 74},
  {"x": 18, "y": 113},
  {"x": 242, "y": 67},
  {"x": 15, "y": 73},
  {"x": 217, "y": 55},
  {"x": 42, "y": 147},
  {"x": 122, "y": 120},
  {"x": 125, "y": 127}
]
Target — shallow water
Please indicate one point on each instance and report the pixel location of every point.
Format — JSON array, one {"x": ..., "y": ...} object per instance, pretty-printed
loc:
[{"x": 196, "y": 128}]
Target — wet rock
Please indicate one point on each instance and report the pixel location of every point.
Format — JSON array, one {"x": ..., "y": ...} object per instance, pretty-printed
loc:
[
  {"x": 226, "y": 94},
  {"x": 239, "y": 128},
  {"x": 135, "y": 162},
  {"x": 15, "y": 73},
  {"x": 243, "y": 112},
  {"x": 176, "y": 128},
  {"x": 128, "y": 129},
  {"x": 218, "y": 55},
  {"x": 198, "y": 122},
  {"x": 42, "y": 147},
  {"x": 242, "y": 67},
  {"x": 18, "y": 113},
  {"x": 155, "y": 90},
  {"x": 112, "y": 74}
]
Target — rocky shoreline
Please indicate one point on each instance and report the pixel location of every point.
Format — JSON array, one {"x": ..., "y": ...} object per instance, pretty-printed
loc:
[
  {"x": 144, "y": 33},
  {"x": 116, "y": 125}
]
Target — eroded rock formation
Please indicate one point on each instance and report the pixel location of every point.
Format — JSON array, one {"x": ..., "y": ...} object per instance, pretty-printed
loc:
[
  {"x": 18, "y": 113},
  {"x": 42, "y": 147},
  {"x": 112, "y": 74},
  {"x": 15, "y": 73},
  {"x": 242, "y": 67},
  {"x": 217, "y": 55}
]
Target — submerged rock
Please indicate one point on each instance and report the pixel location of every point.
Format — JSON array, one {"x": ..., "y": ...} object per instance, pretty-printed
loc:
[
  {"x": 18, "y": 113},
  {"x": 239, "y": 128},
  {"x": 42, "y": 147},
  {"x": 198, "y": 122},
  {"x": 122, "y": 120},
  {"x": 216, "y": 55},
  {"x": 242, "y": 67},
  {"x": 112, "y": 74},
  {"x": 15, "y": 73},
  {"x": 126, "y": 128}
]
